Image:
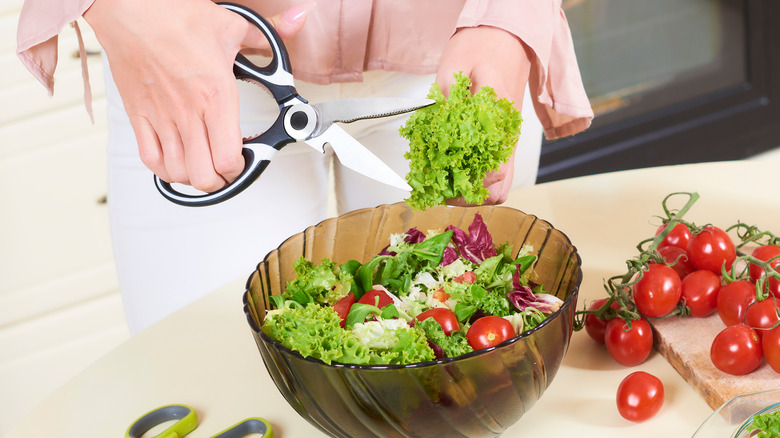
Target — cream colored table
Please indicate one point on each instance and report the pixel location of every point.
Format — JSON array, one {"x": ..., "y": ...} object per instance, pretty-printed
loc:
[{"x": 205, "y": 356}]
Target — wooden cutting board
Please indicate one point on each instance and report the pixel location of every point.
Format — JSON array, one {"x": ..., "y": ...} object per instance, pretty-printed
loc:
[{"x": 685, "y": 343}]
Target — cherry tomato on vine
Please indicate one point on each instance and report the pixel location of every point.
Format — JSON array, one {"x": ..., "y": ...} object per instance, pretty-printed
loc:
[
  {"x": 640, "y": 396},
  {"x": 736, "y": 350},
  {"x": 658, "y": 292},
  {"x": 762, "y": 315},
  {"x": 342, "y": 307},
  {"x": 733, "y": 300},
  {"x": 700, "y": 292},
  {"x": 711, "y": 249},
  {"x": 679, "y": 236},
  {"x": 629, "y": 347},
  {"x": 678, "y": 259},
  {"x": 595, "y": 326},
  {"x": 445, "y": 317},
  {"x": 770, "y": 343},
  {"x": 765, "y": 253},
  {"x": 489, "y": 331}
]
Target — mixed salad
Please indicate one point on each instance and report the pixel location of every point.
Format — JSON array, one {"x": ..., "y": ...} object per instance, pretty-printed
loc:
[{"x": 424, "y": 297}]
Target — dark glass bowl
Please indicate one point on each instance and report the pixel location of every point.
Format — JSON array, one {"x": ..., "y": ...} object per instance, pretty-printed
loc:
[{"x": 479, "y": 394}]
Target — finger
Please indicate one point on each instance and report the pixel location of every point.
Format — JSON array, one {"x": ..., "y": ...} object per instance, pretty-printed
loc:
[
  {"x": 223, "y": 131},
  {"x": 291, "y": 21},
  {"x": 149, "y": 147},
  {"x": 197, "y": 156},
  {"x": 173, "y": 152}
]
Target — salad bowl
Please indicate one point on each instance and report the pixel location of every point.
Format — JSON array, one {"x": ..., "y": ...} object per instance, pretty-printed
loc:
[{"x": 479, "y": 394}]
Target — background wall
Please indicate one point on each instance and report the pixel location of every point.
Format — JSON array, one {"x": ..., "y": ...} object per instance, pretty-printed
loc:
[{"x": 59, "y": 301}]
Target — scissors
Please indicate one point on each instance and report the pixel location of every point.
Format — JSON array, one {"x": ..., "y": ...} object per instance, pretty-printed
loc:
[
  {"x": 298, "y": 120},
  {"x": 186, "y": 420}
]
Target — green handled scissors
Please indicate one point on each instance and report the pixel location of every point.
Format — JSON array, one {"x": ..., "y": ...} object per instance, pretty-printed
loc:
[{"x": 186, "y": 420}]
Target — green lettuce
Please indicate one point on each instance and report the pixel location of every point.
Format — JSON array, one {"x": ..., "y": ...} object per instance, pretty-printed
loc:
[
  {"x": 315, "y": 331},
  {"x": 456, "y": 142},
  {"x": 453, "y": 345}
]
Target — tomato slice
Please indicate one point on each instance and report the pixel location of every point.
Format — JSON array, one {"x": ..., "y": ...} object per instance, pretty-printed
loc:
[
  {"x": 445, "y": 317},
  {"x": 489, "y": 331},
  {"x": 342, "y": 307},
  {"x": 376, "y": 297}
]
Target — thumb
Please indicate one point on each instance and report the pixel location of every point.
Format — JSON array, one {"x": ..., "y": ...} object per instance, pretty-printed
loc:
[{"x": 287, "y": 24}]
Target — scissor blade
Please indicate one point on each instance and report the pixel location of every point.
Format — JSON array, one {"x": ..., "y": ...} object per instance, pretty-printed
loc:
[
  {"x": 349, "y": 110},
  {"x": 356, "y": 157}
]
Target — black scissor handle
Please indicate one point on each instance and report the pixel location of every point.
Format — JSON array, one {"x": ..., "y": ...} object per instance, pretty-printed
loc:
[{"x": 277, "y": 78}]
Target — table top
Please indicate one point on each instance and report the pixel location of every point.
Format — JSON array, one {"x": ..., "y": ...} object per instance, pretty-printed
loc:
[{"x": 205, "y": 356}]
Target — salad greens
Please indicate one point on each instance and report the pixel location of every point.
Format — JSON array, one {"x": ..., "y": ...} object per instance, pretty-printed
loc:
[
  {"x": 767, "y": 425},
  {"x": 456, "y": 142},
  {"x": 357, "y": 313}
]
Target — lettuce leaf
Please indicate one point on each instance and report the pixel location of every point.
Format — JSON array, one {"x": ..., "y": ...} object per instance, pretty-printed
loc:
[{"x": 456, "y": 142}]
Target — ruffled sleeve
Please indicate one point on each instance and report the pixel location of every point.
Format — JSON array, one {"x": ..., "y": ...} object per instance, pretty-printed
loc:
[
  {"x": 40, "y": 23},
  {"x": 559, "y": 96}
]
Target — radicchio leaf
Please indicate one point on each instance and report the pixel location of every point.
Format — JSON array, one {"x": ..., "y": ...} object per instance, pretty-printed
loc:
[
  {"x": 523, "y": 297},
  {"x": 413, "y": 235},
  {"x": 477, "y": 245}
]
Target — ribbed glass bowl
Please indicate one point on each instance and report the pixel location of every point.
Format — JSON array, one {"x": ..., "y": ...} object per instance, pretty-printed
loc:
[
  {"x": 479, "y": 394},
  {"x": 732, "y": 419}
]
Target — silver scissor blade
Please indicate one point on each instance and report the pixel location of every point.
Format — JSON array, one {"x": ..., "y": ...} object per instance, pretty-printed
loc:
[
  {"x": 349, "y": 110},
  {"x": 356, "y": 157}
]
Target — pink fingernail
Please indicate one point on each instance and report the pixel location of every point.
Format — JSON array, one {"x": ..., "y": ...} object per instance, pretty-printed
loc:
[{"x": 295, "y": 13}]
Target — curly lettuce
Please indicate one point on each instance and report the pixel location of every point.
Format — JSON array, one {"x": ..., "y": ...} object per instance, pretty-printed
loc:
[{"x": 455, "y": 143}]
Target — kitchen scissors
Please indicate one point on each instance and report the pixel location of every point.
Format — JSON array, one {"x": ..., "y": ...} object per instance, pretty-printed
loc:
[
  {"x": 185, "y": 420},
  {"x": 298, "y": 120}
]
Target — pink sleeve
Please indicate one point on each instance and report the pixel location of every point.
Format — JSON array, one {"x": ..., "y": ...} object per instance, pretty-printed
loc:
[
  {"x": 559, "y": 95},
  {"x": 40, "y": 22}
]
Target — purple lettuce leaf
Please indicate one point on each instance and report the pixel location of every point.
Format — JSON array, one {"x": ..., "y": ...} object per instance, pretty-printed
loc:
[
  {"x": 477, "y": 244},
  {"x": 413, "y": 235}
]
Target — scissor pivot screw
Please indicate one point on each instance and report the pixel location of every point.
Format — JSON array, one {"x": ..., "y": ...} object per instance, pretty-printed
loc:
[{"x": 300, "y": 121}]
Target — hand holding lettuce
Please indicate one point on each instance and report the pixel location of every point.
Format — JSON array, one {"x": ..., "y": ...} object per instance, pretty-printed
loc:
[{"x": 456, "y": 142}]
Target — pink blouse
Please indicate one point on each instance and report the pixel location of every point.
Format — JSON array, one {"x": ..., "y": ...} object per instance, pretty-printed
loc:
[{"x": 341, "y": 39}]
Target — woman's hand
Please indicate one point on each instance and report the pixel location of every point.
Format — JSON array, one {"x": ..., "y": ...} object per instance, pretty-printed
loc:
[
  {"x": 172, "y": 62},
  {"x": 495, "y": 58}
]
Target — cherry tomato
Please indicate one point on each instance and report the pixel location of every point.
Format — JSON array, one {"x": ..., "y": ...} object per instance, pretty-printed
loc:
[
  {"x": 700, "y": 292},
  {"x": 733, "y": 300},
  {"x": 376, "y": 297},
  {"x": 489, "y": 331},
  {"x": 678, "y": 260},
  {"x": 736, "y": 350},
  {"x": 679, "y": 236},
  {"x": 628, "y": 347},
  {"x": 445, "y": 317},
  {"x": 640, "y": 396},
  {"x": 658, "y": 292},
  {"x": 342, "y": 307},
  {"x": 468, "y": 277},
  {"x": 762, "y": 315},
  {"x": 765, "y": 253},
  {"x": 595, "y": 326},
  {"x": 711, "y": 249},
  {"x": 770, "y": 343}
]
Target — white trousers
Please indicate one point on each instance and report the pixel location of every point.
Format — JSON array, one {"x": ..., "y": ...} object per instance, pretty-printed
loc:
[{"x": 169, "y": 255}]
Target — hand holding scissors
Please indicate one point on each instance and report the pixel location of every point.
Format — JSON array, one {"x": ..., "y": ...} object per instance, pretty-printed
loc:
[{"x": 298, "y": 120}]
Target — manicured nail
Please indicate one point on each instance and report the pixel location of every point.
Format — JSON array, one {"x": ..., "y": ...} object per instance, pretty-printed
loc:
[{"x": 297, "y": 12}]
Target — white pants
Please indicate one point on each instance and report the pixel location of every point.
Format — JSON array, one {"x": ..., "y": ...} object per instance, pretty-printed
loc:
[{"x": 169, "y": 255}]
